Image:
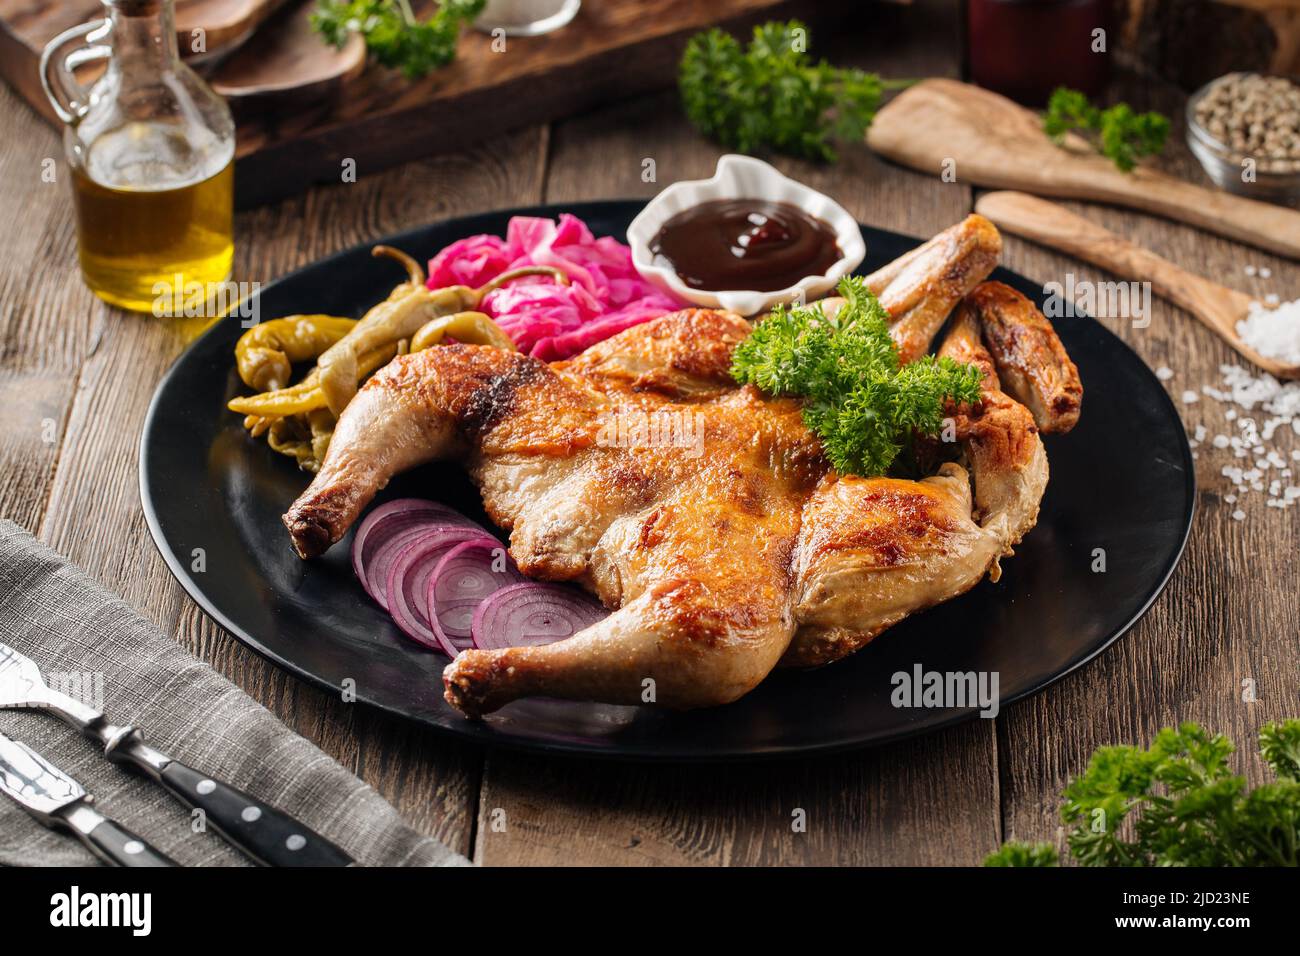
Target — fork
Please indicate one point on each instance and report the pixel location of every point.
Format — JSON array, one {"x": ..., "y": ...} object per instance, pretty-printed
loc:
[{"x": 269, "y": 836}]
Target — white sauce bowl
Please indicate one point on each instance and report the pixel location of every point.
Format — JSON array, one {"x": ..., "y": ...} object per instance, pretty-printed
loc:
[{"x": 743, "y": 177}]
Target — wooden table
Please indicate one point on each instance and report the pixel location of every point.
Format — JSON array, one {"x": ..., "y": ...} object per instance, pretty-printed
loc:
[{"x": 76, "y": 378}]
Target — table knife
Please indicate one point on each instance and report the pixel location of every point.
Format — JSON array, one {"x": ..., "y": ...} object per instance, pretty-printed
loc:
[
  {"x": 59, "y": 802},
  {"x": 269, "y": 836}
]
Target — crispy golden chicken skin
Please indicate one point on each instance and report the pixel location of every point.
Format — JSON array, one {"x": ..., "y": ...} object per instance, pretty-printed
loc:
[
  {"x": 721, "y": 555},
  {"x": 1031, "y": 359}
]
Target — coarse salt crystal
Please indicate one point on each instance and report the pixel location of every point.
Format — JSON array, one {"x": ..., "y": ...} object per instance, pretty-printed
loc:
[
  {"x": 1258, "y": 406},
  {"x": 1164, "y": 373}
]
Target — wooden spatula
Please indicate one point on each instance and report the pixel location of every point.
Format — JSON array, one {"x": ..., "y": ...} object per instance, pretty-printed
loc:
[
  {"x": 1045, "y": 222},
  {"x": 997, "y": 143}
]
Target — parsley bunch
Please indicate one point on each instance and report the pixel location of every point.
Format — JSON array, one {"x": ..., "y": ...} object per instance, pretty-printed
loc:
[
  {"x": 1187, "y": 808},
  {"x": 773, "y": 94},
  {"x": 392, "y": 33},
  {"x": 860, "y": 402},
  {"x": 1120, "y": 134}
]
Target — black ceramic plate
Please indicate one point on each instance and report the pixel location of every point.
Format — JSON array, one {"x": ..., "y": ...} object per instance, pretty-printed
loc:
[{"x": 1122, "y": 481}]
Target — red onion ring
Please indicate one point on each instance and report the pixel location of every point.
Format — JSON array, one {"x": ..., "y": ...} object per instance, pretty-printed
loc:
[
  {"x": 532, "y": 614},
  {"x": 375, "y": 544},
  {"x": 407, "y": 587},
  {"x": 463, "y": 579}
]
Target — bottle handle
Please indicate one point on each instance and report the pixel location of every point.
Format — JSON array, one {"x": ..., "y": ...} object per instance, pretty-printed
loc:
[{"x": 60, "y": 58}]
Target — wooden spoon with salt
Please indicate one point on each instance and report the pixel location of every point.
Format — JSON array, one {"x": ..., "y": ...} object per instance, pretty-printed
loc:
[{"x": 1045, "y": 222}]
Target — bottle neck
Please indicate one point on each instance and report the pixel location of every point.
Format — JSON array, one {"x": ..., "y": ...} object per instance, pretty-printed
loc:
[{"x": 143, "y": 32}]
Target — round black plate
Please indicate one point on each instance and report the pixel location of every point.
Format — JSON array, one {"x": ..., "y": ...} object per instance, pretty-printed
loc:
[{"x": 1122, "y": 482}]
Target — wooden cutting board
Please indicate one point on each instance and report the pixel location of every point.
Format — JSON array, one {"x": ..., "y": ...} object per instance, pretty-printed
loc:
[
  {"x": 613, "y": 49},
  {"x": 27, "y": 25},
  {"x": 997, "y": 143}
]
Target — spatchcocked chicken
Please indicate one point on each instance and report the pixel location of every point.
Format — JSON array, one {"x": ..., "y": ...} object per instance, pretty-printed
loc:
[{"x": 745, "y": 550}]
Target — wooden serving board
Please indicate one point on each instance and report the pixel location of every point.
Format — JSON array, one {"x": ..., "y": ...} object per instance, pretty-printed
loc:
[
  {"x": 27, "y": 25},
  {"x": 994, "y": 142},
  {"x": 612, "y": 49}
]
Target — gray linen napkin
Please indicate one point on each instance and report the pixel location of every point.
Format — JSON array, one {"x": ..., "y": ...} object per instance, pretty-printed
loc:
[{"x": 84, "y": 636}]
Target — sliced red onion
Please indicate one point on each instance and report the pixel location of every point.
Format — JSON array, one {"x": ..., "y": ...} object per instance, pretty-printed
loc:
[
  {"x": 530, "y": 614},
  {"x": 407, "y": 587},
  {"x": 466, "y": 575},
  {"x": 388, "y": 529}
]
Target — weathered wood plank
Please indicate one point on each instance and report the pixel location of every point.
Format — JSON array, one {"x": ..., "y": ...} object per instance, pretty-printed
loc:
[
  {"x": 45, "y": 321},
  {"x": 1230, "y": 613}
]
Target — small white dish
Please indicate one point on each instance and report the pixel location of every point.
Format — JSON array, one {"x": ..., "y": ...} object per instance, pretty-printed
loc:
[{"x": 743, "y": 177}]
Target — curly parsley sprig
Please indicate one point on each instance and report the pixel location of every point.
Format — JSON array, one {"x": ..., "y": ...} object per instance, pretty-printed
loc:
[
  {"x": 773, "y": 94},
  {"x": 860, "y": 402},
  {"x": 393, "y": 34},
  {"x": 1186, "y": 806},
  {"x": 1117, "y": 132}
]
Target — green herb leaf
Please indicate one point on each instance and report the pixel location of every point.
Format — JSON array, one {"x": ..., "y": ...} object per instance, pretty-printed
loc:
[
  {"x": 392, "y": 33},
  {"x": 1178, "y": 804},
  {"x": 1118, "y": 133},
  {"x": 862, "y": 405},
  {"x": 1023, "y": 854},
  {"x": 774, "y": 95}
]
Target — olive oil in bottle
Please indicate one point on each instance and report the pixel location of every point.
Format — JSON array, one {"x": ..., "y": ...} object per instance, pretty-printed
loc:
[
  {"x": 141, "y": 229},
  {"x": 151, "y": 149}
]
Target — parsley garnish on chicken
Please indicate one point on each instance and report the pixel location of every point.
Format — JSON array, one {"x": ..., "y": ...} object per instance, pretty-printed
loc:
[{"x": 861, "y": 403}]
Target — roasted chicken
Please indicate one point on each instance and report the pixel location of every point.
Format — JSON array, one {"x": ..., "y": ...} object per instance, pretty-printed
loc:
[{"x": 740, "y": 553}]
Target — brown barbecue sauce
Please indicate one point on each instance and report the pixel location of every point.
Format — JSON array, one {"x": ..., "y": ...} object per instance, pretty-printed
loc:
[{"x": 745, "y": 244}]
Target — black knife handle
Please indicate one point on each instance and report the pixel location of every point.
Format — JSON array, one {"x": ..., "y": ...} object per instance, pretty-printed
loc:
[
  {"x": 272, "y": 838},
  {"x": 116, "y": 845}
]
